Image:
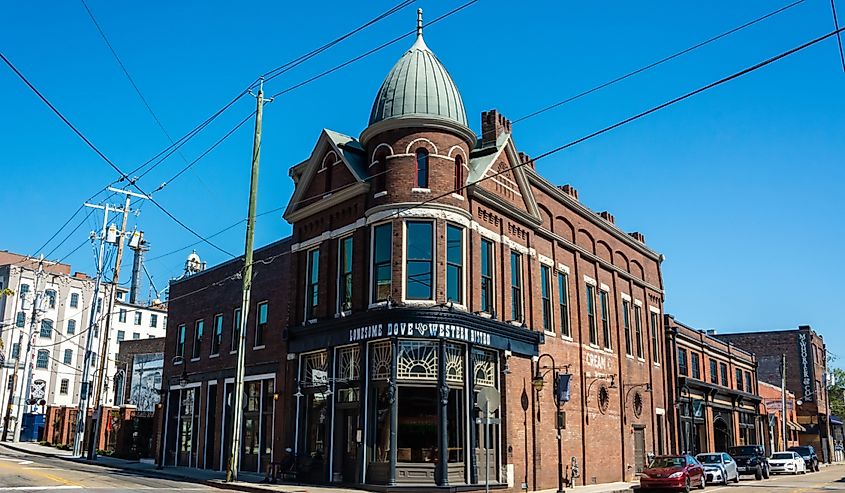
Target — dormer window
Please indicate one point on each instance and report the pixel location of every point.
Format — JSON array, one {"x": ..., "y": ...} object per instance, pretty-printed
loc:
[{"x": 422, "y": 168}]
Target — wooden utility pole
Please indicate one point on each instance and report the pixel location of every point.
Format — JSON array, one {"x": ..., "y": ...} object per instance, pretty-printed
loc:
[
  {"x": 783, "y": 413},
  {"x": 237, "y": 405},
  {"x": 96, "y": 424}
]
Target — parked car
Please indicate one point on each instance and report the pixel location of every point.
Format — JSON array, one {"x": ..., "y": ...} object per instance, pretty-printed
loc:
[
  {"x": 719, "y": 467},
  {"x": 750, "y": 459},
  {"x": 676, "y": 472},
  {"x": 787, "y": 462},
  {"x": 808, "y": 453}
]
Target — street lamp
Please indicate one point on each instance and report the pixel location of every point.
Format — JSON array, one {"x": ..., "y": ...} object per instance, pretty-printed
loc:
[{"x": 561, "y": 395}]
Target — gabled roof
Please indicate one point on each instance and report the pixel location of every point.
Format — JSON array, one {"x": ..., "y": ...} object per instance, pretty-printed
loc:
[{"x": 349, "y": 151}]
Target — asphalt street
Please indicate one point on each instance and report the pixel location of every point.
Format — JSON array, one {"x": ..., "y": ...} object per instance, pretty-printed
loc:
[
  {"x": 32, "y": 473},
  {"x": 828, "y": 479}
]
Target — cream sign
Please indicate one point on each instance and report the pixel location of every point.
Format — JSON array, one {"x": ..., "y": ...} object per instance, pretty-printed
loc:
[{"x": 419, "y": 329}]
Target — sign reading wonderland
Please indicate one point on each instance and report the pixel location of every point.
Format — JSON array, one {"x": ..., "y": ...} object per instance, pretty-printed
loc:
[{"x": 805, "y": 362}]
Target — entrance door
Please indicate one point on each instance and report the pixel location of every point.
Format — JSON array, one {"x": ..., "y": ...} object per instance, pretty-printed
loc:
[
  {"x": 721, "y": 435},
  {"x": 639, "y": 449},
  {"x": 210, "y": 426},
  {"x": 347, "y": 444}
]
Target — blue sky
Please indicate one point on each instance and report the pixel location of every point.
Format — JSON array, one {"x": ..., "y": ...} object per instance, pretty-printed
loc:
[{"x": 739, "y": 187}]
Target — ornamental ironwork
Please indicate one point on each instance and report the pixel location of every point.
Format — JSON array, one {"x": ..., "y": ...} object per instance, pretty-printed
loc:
[
  {"x": 380, "y": 354},
  {"x": 314, "y": 369},
  {"x": 603, "y": 399},
  {"x": 638, "y": 404},
  {"x": 417, "y": 360},
  {"x": 484, "y": 368},
  {"x": 454, "y": 363},
  {"x": 349, "y": 363}
]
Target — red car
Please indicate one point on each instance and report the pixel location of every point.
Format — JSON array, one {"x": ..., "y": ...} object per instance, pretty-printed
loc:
[{"x": 673, "y": 472}]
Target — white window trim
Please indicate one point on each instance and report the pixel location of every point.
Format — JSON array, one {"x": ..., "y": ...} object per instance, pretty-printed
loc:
[
  {"x": 434, "y": 257},
  {"x": 626, "y": 297},
  {"x": 463, "y": 282},
  {"x": 420, "y": 190},
  {"x": 562, "y": 268},
  {"x": 307, "y": 298},
  {"x": 338, "y": 309},
  {"x": 258, "y": 321},
  {"x": 371, "y": 286},
  {"x": 380, "y": 194},
  {"x": 457, "y": 196},
  {"x": 545, "y": 260},
  {"x": 214, "y": 320},
  {"x": 604, "y": 287},
  {"x": 653, "y": 309},
  {"x": 589, "y": 280}
]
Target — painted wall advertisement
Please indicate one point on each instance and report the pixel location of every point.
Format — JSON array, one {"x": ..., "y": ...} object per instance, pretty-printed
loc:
[
  {"x": 805, "y": 367},
  {"x": 146, "y": 381}
]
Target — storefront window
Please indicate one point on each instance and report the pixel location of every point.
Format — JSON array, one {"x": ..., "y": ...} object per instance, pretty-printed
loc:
[
  {"x": 417, "y": 360},
  {"x": 456, "y": 418},
  {"x": 381, "y": 425},
  {"x": 316, "y": 425},
  {"x": 416, "y": 438}
]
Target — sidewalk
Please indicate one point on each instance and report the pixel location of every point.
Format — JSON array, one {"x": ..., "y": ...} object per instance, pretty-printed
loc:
[{"x": 249, "y": 482}]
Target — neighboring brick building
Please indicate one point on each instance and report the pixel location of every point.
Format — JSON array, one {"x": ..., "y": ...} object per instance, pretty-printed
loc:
[
  {"x": 413, "y": 293},
  {"x": 806, "y": 370},
  {"x": 772, "y": 405},
  {"x": 713, "y": 386},
  {"x": 200, "y": 357}
]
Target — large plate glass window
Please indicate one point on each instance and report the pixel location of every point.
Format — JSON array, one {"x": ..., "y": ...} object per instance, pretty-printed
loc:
[{"x": 419, "y": 267}]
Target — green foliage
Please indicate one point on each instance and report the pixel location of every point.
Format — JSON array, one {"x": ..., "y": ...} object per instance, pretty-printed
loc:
[
  {"x": 6, "y": 292},
  {"x": 837, "y": 392}
]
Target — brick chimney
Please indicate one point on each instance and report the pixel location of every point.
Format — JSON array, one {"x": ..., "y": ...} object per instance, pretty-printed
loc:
[
  {"x": 569, "y": 190},
  {"x": 525, "y": 158},
  {"x": 637, "y": 236},
  {"x": 607, "y": 217},
  {"x": 493, "y": 124}
]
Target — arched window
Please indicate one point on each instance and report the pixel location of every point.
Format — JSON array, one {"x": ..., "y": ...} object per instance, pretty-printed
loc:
[
  {"x": 43, "y": 356},
  {"x": 46, "y": 328},
  {"x": 422, "y": 168},
  {"x": 459, "y": 174}
]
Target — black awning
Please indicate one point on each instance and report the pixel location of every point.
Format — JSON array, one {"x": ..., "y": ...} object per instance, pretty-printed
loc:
[{"x": 436, "y": 322}]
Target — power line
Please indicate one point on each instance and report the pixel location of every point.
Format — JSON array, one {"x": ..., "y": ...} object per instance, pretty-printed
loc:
[
  {"x": 637, "y": 116},
  {"x": 838, "y": 37},
  {"x": 370, "y": 52},
  {"x": 660, "y": 62}
]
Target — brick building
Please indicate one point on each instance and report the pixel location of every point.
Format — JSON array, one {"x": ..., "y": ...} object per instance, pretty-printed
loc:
[
  {"x": 773, "y": 403},
  {"x": 430, "y": 264},
  {"x": 426, "y": 267},
  {"x": 200, "y": 356},
  {"x": 806, "y": 376},
  {"x": 713, "y": 386}
]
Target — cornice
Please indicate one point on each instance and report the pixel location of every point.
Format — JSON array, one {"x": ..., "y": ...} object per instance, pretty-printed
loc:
[
  {"x": 334, "y": 199},
  {"x": 422, "y": 123}
]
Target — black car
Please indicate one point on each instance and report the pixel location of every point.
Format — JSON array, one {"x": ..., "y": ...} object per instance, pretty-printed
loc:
[
  {"x": 808, "y": 453},
  {"x": 751, "y": 459}
]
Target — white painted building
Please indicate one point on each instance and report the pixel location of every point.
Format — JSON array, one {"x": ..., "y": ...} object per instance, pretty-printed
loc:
[{"x": 60, "y": 333}]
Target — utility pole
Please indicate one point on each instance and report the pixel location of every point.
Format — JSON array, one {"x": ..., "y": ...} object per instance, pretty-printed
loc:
[
  {"x": 783, "y": 398},
  {"x": 36, "y": 300},
  {"x": 234, "y": 453},
  {"x": 85, "y": 390},
  {"x": 96, "y": 423}
]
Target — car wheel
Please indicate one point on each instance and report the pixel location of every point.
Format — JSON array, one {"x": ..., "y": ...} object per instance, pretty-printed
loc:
[
  {"x": 758, "y": 474},
  {"x": 703, "y": 482},
  {"x": 816, "y": 468},
  {"x": 765, "y": 472},
  {"x": 736, "y": 478},
  {"x": 686, "y": 485},
  {"x": 724, "y": 478}
]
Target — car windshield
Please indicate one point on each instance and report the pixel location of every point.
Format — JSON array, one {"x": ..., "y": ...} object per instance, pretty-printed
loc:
[
  {"x": 709, "y": 458},
  {"x": 782, "y": 456},
  {"x": 668, "y": 462},
  {"x": 801, "y": 450},
  {"x": 746, "y": 450}
]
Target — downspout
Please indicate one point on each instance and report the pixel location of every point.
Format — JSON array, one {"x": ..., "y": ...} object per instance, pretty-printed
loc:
[
  {"x": 623, "y": 409},
  {"x": 578, "y": 281}
]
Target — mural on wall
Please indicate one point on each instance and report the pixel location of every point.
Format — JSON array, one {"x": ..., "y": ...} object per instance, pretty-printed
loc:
[{"x": 146, "y": 381}]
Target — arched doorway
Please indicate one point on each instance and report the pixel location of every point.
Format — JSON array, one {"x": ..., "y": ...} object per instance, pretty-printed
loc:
[{"x": 721, "y": 435}]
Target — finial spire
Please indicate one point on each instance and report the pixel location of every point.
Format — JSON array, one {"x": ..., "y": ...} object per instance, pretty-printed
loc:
[{"x": 419, "y": 23}]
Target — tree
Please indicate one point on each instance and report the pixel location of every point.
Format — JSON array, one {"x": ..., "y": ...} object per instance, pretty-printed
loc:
[
  {"x": 6, "y": 292},
  {"x": 836, "y": 392}
]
